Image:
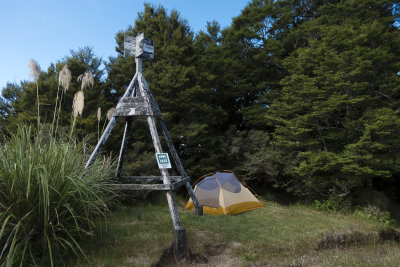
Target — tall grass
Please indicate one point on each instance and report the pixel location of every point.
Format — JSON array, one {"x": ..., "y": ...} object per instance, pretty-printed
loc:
[
  {"x": 35, "y": 73},
  {"x": 86, "y": 79},
  {"x": 98, "y": 122},
  {"x": 77, "y": 107},
  {"x": 64, "y": 80},
  {"x": 45, "y": 203}
]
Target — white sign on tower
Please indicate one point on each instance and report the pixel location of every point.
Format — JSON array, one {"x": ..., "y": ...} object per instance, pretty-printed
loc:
[{"x": 163, "y": 161}]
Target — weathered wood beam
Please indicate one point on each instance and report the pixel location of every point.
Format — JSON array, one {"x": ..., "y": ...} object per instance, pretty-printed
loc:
[
  {"x": 145, "y": 92},
  {"x": 198, "y": 208},
  {"x": 171, "y": 147},
  {"x": 123, "y": 147},
  {"x": 125, "y": 136},
  {"x": 110, "y": 125},
  {"x": 148, "y": 93},
  {"x": 181, "y": 246},
  {"x": 136, "y": 106},
  {"x": 178, "y": 184},
  {"x": 141, "y": 179},
  {"x": 160, "y": 187},
  {"x": 101, "y": 142}
]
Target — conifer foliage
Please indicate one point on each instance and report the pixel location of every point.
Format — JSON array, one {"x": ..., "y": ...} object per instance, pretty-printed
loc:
[
  {"x": 302, "y": 95},
  {"x": 340, "y": 92}
]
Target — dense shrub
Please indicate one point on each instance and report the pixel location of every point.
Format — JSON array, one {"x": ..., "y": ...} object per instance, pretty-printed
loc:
[
  {"x": 47, "y": 200},
  {"x": 374, "y": 213}
]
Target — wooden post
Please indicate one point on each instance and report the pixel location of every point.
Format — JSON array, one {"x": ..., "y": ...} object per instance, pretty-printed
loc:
[
  {"x": 110, "y": 126},
  {"x": 180, "y": 245},
  {"x": 157, "y": 145},
  {"x": 123, "y": 147},
  {"x": 135, "y": 179},
  {"x": 101, "y": 142},
  {"x": 124, "y": 143},
  {"x": 198, "y": 208},
  {"x": 139, "y": 65}
]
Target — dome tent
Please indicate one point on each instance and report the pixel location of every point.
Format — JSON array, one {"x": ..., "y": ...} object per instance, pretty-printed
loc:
[{"x": 222, "y": 193}]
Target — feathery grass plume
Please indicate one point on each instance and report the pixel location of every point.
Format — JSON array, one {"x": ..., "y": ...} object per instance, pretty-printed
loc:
[
  {"x": 35, "y": 72},
  {"x": 86, "y": 79},
  {"x": 99, "y": 114},
  {"x": 64, "y": 80},
  {"x": 98, "y": 122},
  {"x": 110, "y": 113},
  {"x": 78, "y": 104},
  {"x": 34, "y": 69}
]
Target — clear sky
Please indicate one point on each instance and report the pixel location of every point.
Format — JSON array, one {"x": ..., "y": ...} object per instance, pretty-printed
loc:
[{"x": 46, "y": 30}]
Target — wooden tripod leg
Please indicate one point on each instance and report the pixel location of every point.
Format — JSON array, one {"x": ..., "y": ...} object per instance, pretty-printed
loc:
[
  {"x": 123, "y": 147},
  {"x": 165, "y": 176},
  {"x": 101, "y": 142},
  {"x": 146, "y": 91},
  {"x": 157, "y": 146},
  {"x": 198, "y": 209},
  {"x": 110, "y": 125},
  {"x": 181, "y": 247}
]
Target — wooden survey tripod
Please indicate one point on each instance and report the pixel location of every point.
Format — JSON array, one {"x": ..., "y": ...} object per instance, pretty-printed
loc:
[{"x": 138, "y": 101}]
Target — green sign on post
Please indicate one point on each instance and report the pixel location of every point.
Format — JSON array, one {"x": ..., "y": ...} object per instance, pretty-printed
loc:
[{"x": 163, "y": 161}]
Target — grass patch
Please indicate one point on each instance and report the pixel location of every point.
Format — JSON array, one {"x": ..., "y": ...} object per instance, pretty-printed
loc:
[
  {"x": 123, "y": 240},
  {"x": 274, "y": 235}
]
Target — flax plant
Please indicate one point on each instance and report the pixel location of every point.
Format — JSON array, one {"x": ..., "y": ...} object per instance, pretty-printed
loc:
[
  {"x": 48, "y": 200},
  {"x": 45, "y": 204}
]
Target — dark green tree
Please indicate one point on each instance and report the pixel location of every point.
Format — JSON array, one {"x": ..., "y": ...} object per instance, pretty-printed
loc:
[
  {"x": 250, "y": 69},
  {"x": 20, "y": 100},
  {"x": 8, "y": 95},
  {"x": 96, "y": 96},
  {"x": 254, "y": 45},
  {"x": 337, "y": 84},
  {"x": 187, "y": 106}
]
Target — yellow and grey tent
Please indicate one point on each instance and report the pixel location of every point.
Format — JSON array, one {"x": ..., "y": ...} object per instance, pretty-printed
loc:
[{"x": 222, "y": 193}]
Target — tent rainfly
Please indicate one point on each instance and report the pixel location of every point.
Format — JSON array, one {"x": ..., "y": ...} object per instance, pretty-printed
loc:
[{"x": 222, "y": 193}]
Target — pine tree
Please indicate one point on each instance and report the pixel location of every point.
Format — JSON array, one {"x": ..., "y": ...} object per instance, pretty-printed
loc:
[
  {"x": 173, "y": 78},
  {"x": 346, "y": 69},
  {"x": 8, "y": 95},
  {"x": 248, "y": 81},
  {"x": 20, "y": 99}
]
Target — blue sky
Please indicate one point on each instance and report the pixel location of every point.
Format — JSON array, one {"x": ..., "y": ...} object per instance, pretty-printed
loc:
[{"x": 46, "y": 30}]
